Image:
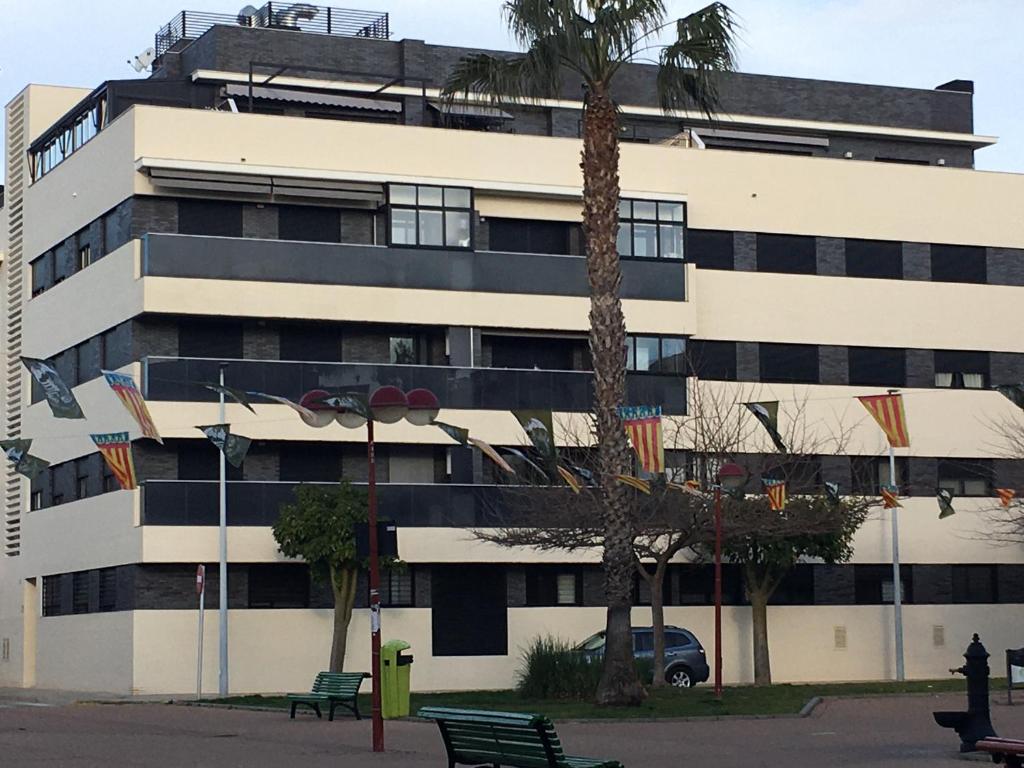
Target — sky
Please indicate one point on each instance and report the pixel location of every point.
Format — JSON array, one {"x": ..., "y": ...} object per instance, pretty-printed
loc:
[{"x": 913, "y": 43}]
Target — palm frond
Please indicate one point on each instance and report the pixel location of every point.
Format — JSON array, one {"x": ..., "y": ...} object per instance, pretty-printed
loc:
[
  {"x": 704, "y": 46},
  {"x": 535, "y": 74}
]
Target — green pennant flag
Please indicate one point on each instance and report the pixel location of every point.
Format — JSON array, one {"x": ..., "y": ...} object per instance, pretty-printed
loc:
[
  {"x": 58, "y": 394},
  {"x": 945, "y": 498},
  {"x": 458, "y": 434},
  {"x": 240, "y": 396},
  {"x": 24, "y": 464},
  {"x": 234, "y": 447},
  {"x": 832, "y": 492},
  {"x": 538, "y": 427},
  {"x": 1013, "y": 392},
  {"x": 767, "y": 413},
  {"x": 349, "y": 401}
]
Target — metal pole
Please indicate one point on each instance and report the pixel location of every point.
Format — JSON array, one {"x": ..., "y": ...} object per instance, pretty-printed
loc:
[
  {"x": 718, "y": 592},
  {"x": 199, "y": 644},
  {"x": 222, "y": 604},
  {"x": 897, "y": 596},
  {"x": 378, "y": 720}
]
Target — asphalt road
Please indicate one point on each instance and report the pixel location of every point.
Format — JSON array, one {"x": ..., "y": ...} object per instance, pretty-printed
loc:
[{"x": 861, "y": 733}]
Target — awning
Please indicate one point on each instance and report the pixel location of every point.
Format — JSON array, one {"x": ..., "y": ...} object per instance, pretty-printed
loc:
[
  {"x": 311, "y": 97},
  {"x": 462, "y": 109}
]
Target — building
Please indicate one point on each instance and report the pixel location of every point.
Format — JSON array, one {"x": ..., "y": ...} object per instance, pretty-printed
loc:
[{"x": 296, "y": 201}]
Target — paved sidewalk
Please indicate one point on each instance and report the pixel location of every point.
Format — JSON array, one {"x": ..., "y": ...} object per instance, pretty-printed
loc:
[{"x": 861, "y": 733}]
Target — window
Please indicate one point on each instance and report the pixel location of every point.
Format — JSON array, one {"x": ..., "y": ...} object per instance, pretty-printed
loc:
[
  {"x": 974, "y": 584},
  {"x": 529, "y": 236},
  {"x": 546, "y": 586},
  {"x": 789, "y": 363},
  {"x": 84, "y": 256},
  {"x": 110, "y": 483},
  {"x": 42, "y": 273},
  {"x": 874, "y": 258},
  {"x": 312, "y": 342},
  {"x": 108, "y": 589},
  {"x": 546, "y": 353},
  {"x": 80, "y": 592},
  {"x": 957, "y": 369},
  {"x": 402, "y": 350},
  {"x": 82, "y": 487},
  {"x": 677, "y": 640},
  {"x": 51, "y": 596},
  {"x": 873, "y": 584},
  {"x": 656, "y": 354},
  {"x": 966, "y": 477},
  {"x": 396, "y": 588},
  {"x": 651, "y": 230},
  {"x": 878, "y": 367},
  {"x": 959, "y": 264},
  {"x": 796, "y": 587},
  {"x": 431, "y": 217},
  {"x": 300, "y": 222},
  {"x": 695, "y": 584},
  {"x": 801, "y": 473},
  {"x": 310, "y": 462},
  {"x": 794, "y": 254},
  {"x": 213, "y": 340},
  {"x": 36, "y": 500},
  {"x": 643, "y": 642},
  {"x": 278, "y": 586},
  {"x": 210, "y": 217},
  {"x": 871, "y": 473},
  {"x": 715, "y": 360},
  {"x": 710, "y": 248}
]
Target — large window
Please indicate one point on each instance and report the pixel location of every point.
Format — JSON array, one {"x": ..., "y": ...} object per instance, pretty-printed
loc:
[
  {"x": 789, "y": 363},
  {"x": 794, "y": 254},
  {"x": 871, "y": 473},
  {"x": 530, "y": 236},
  {"x": 651, "y": 230},
  {"x": 396, "y": 587},
  {"x": 278, "y": 586},
  {"x": 210, "y": 217},
  {"x": 51, "y": 595},
  {"x": 956, "y": 369},
  {"x": 430, "y": 217},
  {"x": 710, "y": 248},
  {"x": 968, "y": 477},
  {"x": 715, "y": 360},
  {"x": 874, "y": 258},
  {"x": 959, "y": 264},
  {"x": 873, "y": 584},
  {"x": 974, "y": 584},
  {"x": 304, "y": 222},
  {"x": 878, "y": 367},
  {"x": 550, "y": 586},
  {"x": 656, "y": 354}
]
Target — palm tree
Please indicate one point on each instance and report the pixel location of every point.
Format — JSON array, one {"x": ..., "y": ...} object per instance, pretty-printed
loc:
[{"x": 590, "y": 40}]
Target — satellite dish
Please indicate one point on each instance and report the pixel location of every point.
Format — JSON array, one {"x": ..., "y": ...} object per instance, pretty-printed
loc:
[
  {"x": 245, "y": 16},
  {"x": 143, "y": 60}
]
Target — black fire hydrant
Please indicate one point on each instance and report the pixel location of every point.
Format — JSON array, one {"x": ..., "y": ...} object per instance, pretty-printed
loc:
[{"x": 974, "y": 724}]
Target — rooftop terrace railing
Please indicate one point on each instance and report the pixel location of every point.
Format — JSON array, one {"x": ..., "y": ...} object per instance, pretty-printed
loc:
[{"x": 297, "y": 17}]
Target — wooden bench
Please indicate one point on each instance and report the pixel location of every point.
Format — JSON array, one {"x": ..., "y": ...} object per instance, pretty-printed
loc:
[
  {"x": 1008, "y": 751},
  {"x": 336, "y": 689},
  {"x": 477, "y": 737}
]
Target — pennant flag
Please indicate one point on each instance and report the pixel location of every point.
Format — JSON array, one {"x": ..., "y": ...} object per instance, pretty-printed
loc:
[
  {"x": 945, "y": 498},
  {"x": 890, "y": 500},
  {"x": 643, "y": 425},
  {"x": 1006, "y": 495},
  {"x": 888, "y": 411},
  {"x": 349, "y": 401},
  {"x": 234, "y": 447},
  {"x": 635, "y": 482},
  {"x": 570, "y": 479},
  {"x": 492, "y": 454},
  {"x": 1013, "y": 392},
  {"x": 832, "y": 492},
  {"x": 58, "y": 394},
  {"x": 117, "y": 452},
  {"x": 24, "y": 464},
  {"x": 767, "y": 412},
  {"x": 299, "y": 409},
  {"x": 125, "y": 388},
  {"x": 527, "y": 461},
  {"x": 458, "y": 434},
  {"x": 690, "y": 487},
  {"x": 538, "y": 427},
  {"x": 776, "y": 492},
  {"x": 240, "y": 396}
]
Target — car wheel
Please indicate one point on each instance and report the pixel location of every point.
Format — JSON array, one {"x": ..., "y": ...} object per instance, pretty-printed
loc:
[{"x": 679, "y": 677}]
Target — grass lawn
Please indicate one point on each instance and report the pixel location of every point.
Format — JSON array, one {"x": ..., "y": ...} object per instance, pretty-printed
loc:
[{"x": 698, "y": 702}]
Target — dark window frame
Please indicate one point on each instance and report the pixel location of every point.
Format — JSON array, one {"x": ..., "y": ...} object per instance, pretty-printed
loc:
[
  {"x": 861, "y": 361},
  {"x": 442, "y": 209},
  {"x": 387, "y": 592},
  {"x": 657, "y": 222},
  {"x": 797, "y": 350},
  {"x": 772, "y": 241},
  {"x": 680, "y": 364},
  {"x": 542, "y": 585},
  {"x": 966, "y": 579}
]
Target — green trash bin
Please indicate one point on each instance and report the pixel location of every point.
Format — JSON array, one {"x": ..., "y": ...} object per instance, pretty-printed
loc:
[{"x": 394, "y": 677}]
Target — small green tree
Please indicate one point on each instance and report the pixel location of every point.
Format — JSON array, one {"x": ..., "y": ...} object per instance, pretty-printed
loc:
[{"x": 319, "y": 526}]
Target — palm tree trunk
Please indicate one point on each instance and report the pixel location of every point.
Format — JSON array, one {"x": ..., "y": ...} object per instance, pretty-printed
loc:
[
  {"x": 343, "y": 586},
  {"x": 600, "y": 162},
  {"x": 657, "y": 583}
]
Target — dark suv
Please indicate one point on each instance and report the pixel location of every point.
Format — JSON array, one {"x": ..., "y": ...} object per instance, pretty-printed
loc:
[{"x": 685, "y": 661}]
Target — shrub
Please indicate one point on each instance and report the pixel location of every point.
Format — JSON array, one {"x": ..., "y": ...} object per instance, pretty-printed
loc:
[{"x": 553, "y": 669}]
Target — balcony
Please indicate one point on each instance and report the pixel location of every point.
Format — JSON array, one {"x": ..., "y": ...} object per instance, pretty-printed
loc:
[
  {"x": 195, "y": 502},
  {"x": 175, "y": 379},
  {"x": 286, "y": 261}
]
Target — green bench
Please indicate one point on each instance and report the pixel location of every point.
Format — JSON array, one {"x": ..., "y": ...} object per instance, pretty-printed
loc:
[
  {"x": 477, "y": 737},
  {"x": 336, "y": 689}
]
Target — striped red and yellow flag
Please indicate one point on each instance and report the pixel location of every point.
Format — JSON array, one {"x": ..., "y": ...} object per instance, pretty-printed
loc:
[
  {"x": 1006, "y": 495},
  {"x": 635, "y": 482},
  {"x": 125, "y": 388},
  {"x": 570, "y": 479},
  {"x": 643, "y": 425},
  {"x": 117, "y": 452},
  {"x": 888, "y": 411},
  {"x": 890, "y": 500},
  {"x": 776, "y": 492}
]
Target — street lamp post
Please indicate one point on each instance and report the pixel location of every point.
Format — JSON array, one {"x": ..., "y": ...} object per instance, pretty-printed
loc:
[
  {"x": 732, "y": 478},
  {"x": 387, "y": 405}
]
